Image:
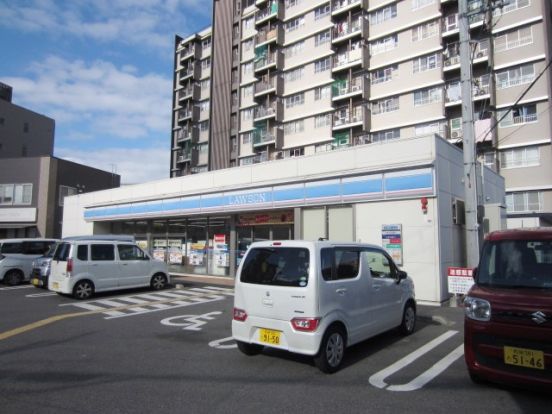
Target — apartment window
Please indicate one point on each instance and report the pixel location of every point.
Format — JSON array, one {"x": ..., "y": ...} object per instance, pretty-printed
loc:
[
  {"x": 385, "y": 105},
  {"x": 295, "y": 100},
  {"x": 296, "y": 152},
  {"x": 384, "y": 44},
  {"x": 294, "y": 127},
  {"x": 322, "y": 38},
  {"x": 16, "y": 194},
  {"x": 247, "y": 114},
  {"x": 516, "y": 76},
  {"x": 248, "y": 23},
  {"x": 383, "y": 74},
  {"x": 384, "y": 136},
  {"x": 292, "y": 3},
  {"x": 25, "y": 127},
  {"x": 383, "y": 14},
  {"x": 513, "y": 39},
  {"x": 65, "y": 191},
  {"x": 247, "y": 45},
  {"x": 489, "y": 159},
  {"x": 246, "y": 138},
  {"x": 321, "y": 11},
  {"x": 418, "y": 4},
  {"x": 510, "y": 5},
  {"x": 518, "y": 115},
  {"x": 323, "y": 92},
  {"x": 204, "y": 126},
  {"x": 524, "y": 202},
  {"x": 205, "y": 83},
  {"x": 247, "y": 69},
  {"x": 203, "y": 148},
  {"x": 247, "y": 91},
  {"x": 321, "y": 121},
  {"x": 294, "y": 49},
  {"x": 428, "y": 62},
  {"x": 206, "y": 43},
  {"x": 428, "y": 96},
  {"x": 206, "y": 63},
  {"x": 520, "y": 157},
  {"x": 425, "y": 31},
  {"x": 204, "y": 106},
  {"x": 322, "y": 65},
  {"x": 294, "y": 75},
  {"x": 295, "y": 24}
]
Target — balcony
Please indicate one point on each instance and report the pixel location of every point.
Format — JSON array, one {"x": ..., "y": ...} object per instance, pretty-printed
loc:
[
  {"x": 265, "y": 36},
  {"x": 344, "y": 88},
  {"x": 187, "y": 155},
  {"x": 188, "y": 114},
  {"x": 344, "y": 117},
  {"x": 451, "y": 23},
  {"x": 190, "y": 52},
  {"x": 268, "y": 136},
  {"x": 455, "y": 134},
  {"x": 271, "y": 60},
  {"x": 347, "y": 59},
  {"x": 192, "y": 71},
  {"x": 273, "y": 110},
  {"x": 451, "y": 55},
  {"x": 481, "y": 90},
  {"x": 341, "y": 6},
  {"x": 272, "y": 11},
  {"x": 345, "y": 30},
  {"x": 191, "y": 92},
  {"x": 184, "y": 135},
  {"x": 268, "y": 85}
]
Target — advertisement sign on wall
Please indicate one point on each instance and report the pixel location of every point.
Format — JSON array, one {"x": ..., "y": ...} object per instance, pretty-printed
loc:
[
  {"x": 278, "y": 217},
  {"x": 391, "y": 241}
]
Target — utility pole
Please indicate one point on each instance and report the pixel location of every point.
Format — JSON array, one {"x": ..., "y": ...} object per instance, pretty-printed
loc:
[{"x": 470, "y": 176}]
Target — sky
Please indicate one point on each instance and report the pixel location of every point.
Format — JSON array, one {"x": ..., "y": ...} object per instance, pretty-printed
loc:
[{"x": 102, "y": 70}]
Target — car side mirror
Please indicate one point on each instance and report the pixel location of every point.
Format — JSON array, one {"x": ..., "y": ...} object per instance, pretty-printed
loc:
[{"x": 401, "y": 275}]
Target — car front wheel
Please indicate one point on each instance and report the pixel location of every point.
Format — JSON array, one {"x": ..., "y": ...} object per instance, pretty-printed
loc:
[
  {"x": 158, "y": 281},
  {"x": 409, "y": 319}
]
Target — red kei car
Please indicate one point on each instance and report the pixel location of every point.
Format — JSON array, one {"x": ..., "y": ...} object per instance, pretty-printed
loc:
[{"x": 508, "y": 311}]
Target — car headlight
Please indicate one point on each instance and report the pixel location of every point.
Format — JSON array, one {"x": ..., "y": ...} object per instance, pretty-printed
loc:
[{"x": 477, "y": 309}]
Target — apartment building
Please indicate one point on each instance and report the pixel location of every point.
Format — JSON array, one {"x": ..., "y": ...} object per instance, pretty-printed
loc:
[{"x": 278, "y": 79}]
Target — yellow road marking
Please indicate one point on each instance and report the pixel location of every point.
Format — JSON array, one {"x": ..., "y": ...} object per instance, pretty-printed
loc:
[{"x": 52, "y": 319}]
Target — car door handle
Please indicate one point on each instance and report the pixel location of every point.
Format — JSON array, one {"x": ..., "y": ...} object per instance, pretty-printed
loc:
[
  {"x": 124, "y": 264},
  {"x": 341, "y": 291}
]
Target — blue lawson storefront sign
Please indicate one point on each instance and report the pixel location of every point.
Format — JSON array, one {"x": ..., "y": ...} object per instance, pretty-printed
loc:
[{"x": 339, "y": 190}]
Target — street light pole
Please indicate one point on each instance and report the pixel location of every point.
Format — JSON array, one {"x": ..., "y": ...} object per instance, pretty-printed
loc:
[{"x": 468, "y": 138}]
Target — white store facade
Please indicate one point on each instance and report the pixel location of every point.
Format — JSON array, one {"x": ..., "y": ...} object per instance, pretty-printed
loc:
[{"x": 402, "y": 194}]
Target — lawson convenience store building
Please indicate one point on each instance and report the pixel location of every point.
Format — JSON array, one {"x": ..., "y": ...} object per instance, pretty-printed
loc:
[{"x": 203, "y": 224}]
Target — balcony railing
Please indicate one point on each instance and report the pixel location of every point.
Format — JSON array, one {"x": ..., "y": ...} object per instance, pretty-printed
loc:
[
  {"x": 263, "y": 137},
  {"x": 265, "y": 111},
  {"x": 345, "y": 117},
  {"x": 346, "y": 58},
  {"x": 346, "y": 87},
  {"x": 269, "y": 11},
  {"x": 266, "y": 36},
  {"x": 450, "y": 22},
  {"x": 337, "y": 5},
  {"x": 265, "y": 85},
  {"x": 345, "y": 29},
  {"x": 266, "y": 61}
]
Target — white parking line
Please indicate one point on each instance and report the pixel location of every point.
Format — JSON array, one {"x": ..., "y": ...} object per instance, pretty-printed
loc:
[
  {"x": 17, "y": 287},
  {"x": 377, "y": 380},
  {"x": 40, "y": 295}
]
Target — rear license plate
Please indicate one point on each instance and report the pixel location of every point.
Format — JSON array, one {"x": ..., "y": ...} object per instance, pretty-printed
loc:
[
  {"x": 522, "y": 357},
  {"x": 268, "y": 336},
  {"x": 35, "y": 282},
  {"x": 55, "y": 285}
]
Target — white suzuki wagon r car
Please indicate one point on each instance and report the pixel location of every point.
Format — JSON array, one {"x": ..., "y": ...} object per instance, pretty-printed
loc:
[
  {"x": 317, "y": 298},
  {"x": 82, "y": 267}
]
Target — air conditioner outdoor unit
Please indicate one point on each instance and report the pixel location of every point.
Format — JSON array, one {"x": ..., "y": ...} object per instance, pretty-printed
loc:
[
  {"x": 480, "y": 54},
  {"x": 455, "y": 134}
]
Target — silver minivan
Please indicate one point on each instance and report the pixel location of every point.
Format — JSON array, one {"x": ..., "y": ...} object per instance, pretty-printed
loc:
[
  {"x": 83, "y": 267},
  {"x": 318, "y": 298},
  {"x": 17, "y": 255}
]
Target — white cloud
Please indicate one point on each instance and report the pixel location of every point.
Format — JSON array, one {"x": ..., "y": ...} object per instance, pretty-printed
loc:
[
  {"x": 115, "y": 102},
  {"x": 150, "y": 23},
  {"x": 133, "y": 165}
]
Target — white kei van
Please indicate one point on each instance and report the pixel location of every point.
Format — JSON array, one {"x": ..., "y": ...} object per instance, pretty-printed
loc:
[
  {"x": 17, "y": 255},
  {"x": 318, "y": 298},
  {"x": 82, "y": 267}
]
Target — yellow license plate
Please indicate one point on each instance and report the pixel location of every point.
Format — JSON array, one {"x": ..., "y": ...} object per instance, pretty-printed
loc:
[
  {"x": 34, "y": 282},
  {"x": 522, "y": 357},
  {"x": 268, "y": 336},
  {"x": 55, "y": 285}
]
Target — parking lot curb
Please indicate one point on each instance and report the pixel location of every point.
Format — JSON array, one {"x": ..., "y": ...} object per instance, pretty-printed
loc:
[{"x": 179, "y": 279}]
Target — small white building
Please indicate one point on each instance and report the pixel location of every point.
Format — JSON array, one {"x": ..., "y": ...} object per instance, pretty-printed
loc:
[{"x": 405, "y": 195}]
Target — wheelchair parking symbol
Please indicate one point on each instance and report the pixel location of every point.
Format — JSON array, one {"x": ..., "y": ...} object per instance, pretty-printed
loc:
[{"x": 190, "y": 322}]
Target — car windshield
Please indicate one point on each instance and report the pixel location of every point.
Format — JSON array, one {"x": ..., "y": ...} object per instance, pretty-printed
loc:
[
  {"x": 516, "y": 264},
  {"x": 281, "y": 266},
  {"x": 51, "y": 250}
]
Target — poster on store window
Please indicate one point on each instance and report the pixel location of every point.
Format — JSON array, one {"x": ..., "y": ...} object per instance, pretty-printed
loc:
[
  {"x": 220, "y": 251},
  {"x": 175, "y": 251},
  {"x": 197, "y": 254},
  {"x": 159, "y": 249}
]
